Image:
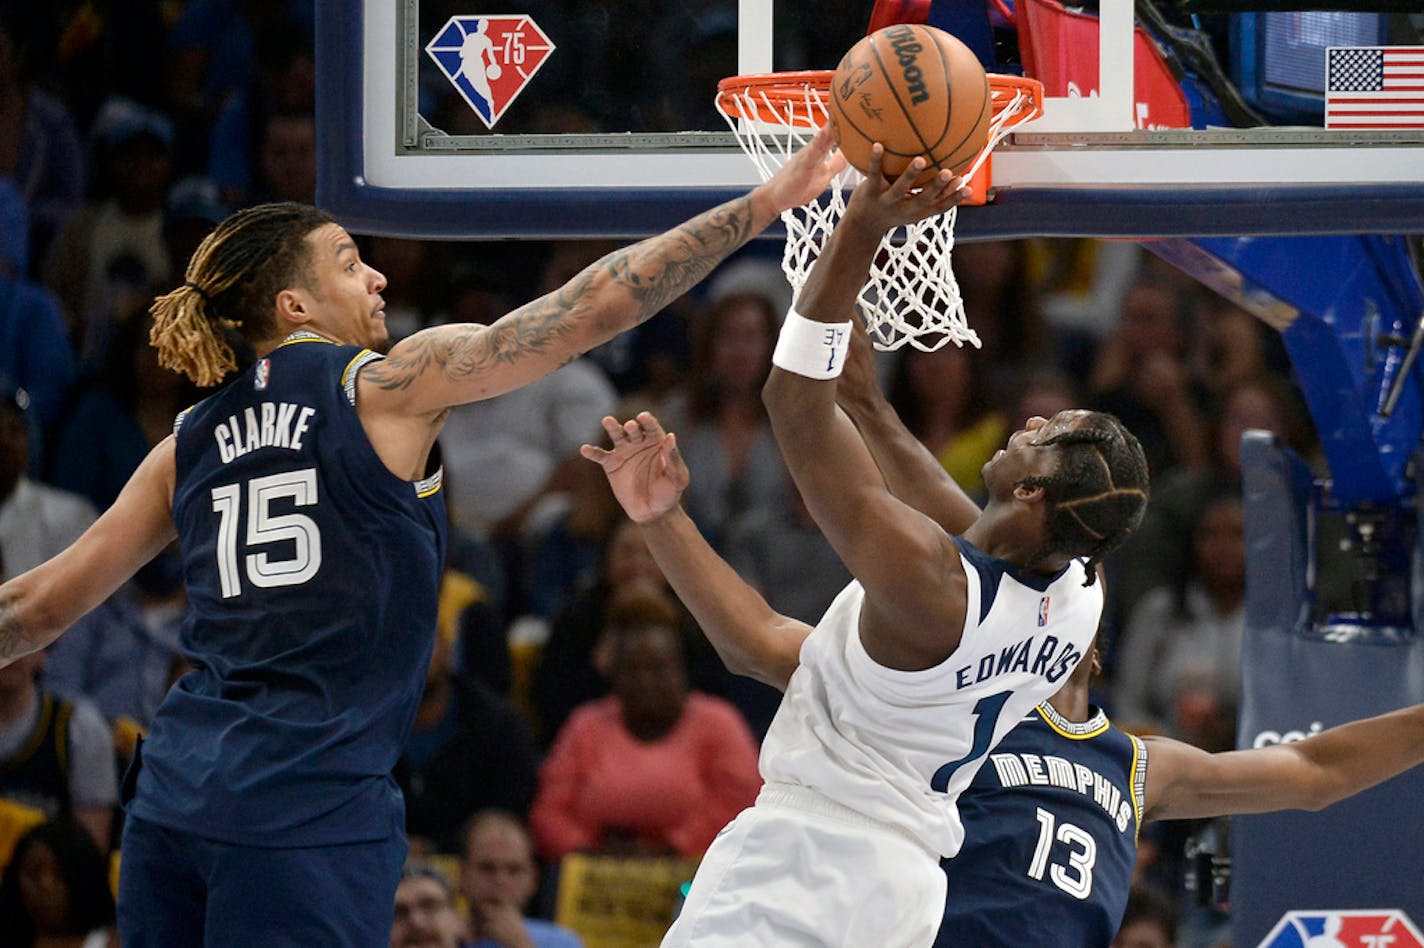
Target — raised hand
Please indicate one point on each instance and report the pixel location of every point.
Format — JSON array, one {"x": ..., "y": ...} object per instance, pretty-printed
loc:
[
  {"x": 643, "y": 467},
  {"x": 880, "y": 205},
  {"x": 807, "y": 173}
]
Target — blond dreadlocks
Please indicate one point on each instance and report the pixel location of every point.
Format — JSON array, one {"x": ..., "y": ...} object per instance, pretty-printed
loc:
[{"x": 230, "y": 284}]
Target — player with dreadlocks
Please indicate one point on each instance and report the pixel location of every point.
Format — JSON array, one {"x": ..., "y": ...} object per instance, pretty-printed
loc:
[
  {"x": 306, "y": 496},
  {"x": 936, "y": 649}
]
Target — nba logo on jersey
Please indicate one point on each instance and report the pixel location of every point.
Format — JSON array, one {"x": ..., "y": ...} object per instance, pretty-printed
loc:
[
  {"x": 263, "y": 371},
  {"x": 1043, "y": 611},
  {"x": 1344, "y": 928},
  {"x": 489, "y": 59}
]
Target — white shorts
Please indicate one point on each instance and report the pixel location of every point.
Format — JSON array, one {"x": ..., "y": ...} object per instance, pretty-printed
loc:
[{"x": 799, "y": 870}]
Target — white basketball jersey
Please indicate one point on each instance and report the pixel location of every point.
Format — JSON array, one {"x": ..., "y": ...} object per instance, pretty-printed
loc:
[{"x": 899, "y": 746}]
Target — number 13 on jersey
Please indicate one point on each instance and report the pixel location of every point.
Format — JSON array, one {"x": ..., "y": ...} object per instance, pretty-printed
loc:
[{"x": 265, "y": 528}]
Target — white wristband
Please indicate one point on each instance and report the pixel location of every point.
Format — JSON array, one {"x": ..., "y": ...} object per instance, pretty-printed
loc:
[{"x": 810, "y": 348}]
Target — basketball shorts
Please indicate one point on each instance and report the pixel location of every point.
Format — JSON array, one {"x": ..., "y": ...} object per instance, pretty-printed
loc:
[
  {"x": 178, "y": 890},
  {"x": 799, "y": 870}
]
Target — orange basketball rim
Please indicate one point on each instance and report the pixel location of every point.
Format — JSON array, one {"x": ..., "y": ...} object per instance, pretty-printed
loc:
[{"x": 796, "y": 101}]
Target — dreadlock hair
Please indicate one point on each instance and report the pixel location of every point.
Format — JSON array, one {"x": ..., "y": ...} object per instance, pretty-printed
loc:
[
  {"x": 1098, "y": 494},
  {"x": 230, "y": 284}
]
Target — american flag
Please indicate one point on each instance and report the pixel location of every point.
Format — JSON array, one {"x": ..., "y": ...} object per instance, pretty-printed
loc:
[{"x": 1374, "y": 87}]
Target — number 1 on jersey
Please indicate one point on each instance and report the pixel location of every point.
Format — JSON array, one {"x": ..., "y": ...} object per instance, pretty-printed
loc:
[
  {"x": 986, "y": 715},
  {"x": 265, "y": 527}
]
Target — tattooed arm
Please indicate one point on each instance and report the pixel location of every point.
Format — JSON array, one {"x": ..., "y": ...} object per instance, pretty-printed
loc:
[
  {"x": 35, "y": 607},
  {"x": 449, "y": 365}
]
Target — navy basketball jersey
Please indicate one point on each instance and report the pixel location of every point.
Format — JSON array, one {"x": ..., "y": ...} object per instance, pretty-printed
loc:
[
  {"x": 1051, "y": 821},
  {"x": 312, "y": 575}
]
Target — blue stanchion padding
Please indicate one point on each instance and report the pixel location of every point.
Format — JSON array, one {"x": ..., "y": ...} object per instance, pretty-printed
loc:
[
  {"x": 1352, "y": 303},
  {"x": 1361, "y": 853}
]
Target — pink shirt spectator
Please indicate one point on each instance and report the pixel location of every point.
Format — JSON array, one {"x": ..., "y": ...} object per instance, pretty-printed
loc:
[{"x": 678, "y": 791}]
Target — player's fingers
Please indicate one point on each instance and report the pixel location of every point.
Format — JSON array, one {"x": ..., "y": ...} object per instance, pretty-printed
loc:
[
  {"x": 594, "y": 454},
  {"x": 877, "y": 158},
  {"x": 612, "y": 428},
  {"x": 651, "y": 425},
  {"x": 906, "y": 181},
  {"x": 632, "y": 431},
  {"x": 947, "y": 191},
  {"x": 675, "y": 461}
]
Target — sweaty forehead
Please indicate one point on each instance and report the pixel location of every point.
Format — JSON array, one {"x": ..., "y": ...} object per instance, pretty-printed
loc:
[{"x": 1065, "y": 420}]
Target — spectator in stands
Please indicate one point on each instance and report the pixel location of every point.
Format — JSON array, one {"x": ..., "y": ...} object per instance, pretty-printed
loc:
[
  {"x": 1140, "y": 375},
  {"x": 56, "y": 891},
  {"x": 566, "y": 555},
  {"x": 118, "y": 416},
  {"x": 35, "y": 352},
  {"x": 39, "y": 146},
  {"x": 426, "y": 916},
  {"x": 211, "y": 57},
  {"x": 498, "y": 878},
  {"x": 653, "y": 769},
  {"x": 721, "y": 422},
  {"x": 1079, "y": 286},
  {"x": 285, "y": 83},
  {"x": 999, "y": 301},
  {"x": 116, "y": 242},
  {"x": 468, "y": 750},
  {"x": 36, "y": 521},
  {"x": 1180, "y": 668},
  {"x": 1155, "y": 555},
  {"x": 286, "y": 158},
  {"x": 505, "y": 455},
  {"x": 123, "y": 655},
  {"x": 1043, "y": 391},
  {"x": 56, "y": 757},
  {"x": 191, "y": 210},
  {"x": 1232, "y": 347},
  {"x": 573, "y": 668},
  {"x": 944, "y": 399}
]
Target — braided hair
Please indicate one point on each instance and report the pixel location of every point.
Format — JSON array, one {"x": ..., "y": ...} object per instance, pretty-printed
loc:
[
  {"x": 230, "y": 284},
  {"x": 1098, "y": 494}
]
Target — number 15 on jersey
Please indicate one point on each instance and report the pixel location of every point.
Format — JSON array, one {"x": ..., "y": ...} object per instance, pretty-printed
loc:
[{"x": 265, "y": 528}]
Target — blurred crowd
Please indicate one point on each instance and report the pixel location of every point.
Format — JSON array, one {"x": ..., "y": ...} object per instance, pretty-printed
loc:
[{"x": 571, "y": 707}]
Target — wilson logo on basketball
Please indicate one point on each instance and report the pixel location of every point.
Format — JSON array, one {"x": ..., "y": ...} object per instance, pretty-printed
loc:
[
  {"x": 905, "y": 43},
  {"x": 490, "y": 59}
]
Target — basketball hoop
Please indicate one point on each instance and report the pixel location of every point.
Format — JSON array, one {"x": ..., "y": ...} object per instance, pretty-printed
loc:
[{"x": 911, "y": 296}]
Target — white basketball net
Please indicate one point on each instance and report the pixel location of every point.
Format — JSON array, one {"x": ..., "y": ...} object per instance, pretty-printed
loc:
[{"x": 911, "y": 295}]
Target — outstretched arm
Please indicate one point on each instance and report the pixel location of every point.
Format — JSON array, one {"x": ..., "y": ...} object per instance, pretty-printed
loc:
[
  {"x": 648, "y": 477},
  {"x": 911, "y": 472},
  {"x": 911, "y": 572},
  {"x": 36, "y": 606},
  {"x": 443, "y": 366},
  {"x": 1184, "y": 782}
]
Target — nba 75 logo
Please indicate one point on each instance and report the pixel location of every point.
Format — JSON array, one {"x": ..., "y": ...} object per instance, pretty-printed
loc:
[
  {"x": 490, "y": 59},
  {"x": 1344, "y": 928}
]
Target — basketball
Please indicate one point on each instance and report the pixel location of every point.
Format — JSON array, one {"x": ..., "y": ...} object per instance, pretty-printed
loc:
[{"x": 916, "y": 90}]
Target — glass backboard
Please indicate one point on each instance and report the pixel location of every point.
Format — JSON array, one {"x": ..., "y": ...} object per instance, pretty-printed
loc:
[{"x": 550, "y": 118}]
